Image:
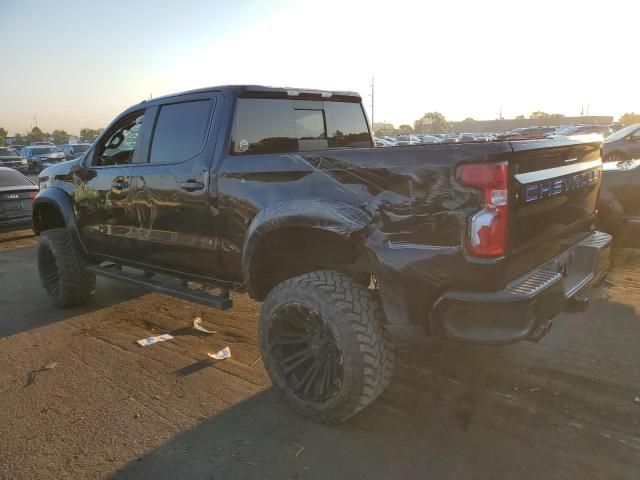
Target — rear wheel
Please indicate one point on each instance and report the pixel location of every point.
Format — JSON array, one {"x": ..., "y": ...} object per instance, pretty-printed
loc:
[
  {"x": 61, "y": 269},
  {"x": 324, "y": 345}
]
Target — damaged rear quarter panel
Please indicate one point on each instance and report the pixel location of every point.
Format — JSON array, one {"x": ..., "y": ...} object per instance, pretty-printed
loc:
[{"x": 402, "y": 205}]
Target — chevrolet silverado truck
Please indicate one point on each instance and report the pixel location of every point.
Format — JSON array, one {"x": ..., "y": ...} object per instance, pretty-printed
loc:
[{"x": 281, "y": 193}]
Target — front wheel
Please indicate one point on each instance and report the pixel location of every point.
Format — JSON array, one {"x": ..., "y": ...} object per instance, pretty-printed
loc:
[
  {"x": 615, "y": 157},
  {"x": 324, "y": 345},
  {"x": 61, "y": 269}
]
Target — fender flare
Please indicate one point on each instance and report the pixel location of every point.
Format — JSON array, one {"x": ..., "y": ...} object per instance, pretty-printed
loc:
[
  {"x": 336, "y": 217},
  {"x": 63, "y": 203}
]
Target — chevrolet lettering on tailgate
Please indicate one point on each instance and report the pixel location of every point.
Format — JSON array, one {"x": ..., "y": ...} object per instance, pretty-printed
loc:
[{"x": 559, "y": 185}]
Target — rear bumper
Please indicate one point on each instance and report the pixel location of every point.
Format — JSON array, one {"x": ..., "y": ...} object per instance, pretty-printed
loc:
[{"x": 524, "y": 309}]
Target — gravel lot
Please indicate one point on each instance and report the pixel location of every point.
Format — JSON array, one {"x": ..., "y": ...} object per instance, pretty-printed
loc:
[{"x": 80, "y": 399}]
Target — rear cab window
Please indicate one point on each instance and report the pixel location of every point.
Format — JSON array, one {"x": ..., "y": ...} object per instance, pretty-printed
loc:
[{"x": 266, "y": 125}]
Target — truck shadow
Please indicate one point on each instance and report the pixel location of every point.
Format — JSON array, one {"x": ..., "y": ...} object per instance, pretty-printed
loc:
[
  {"x": 24, "y": 304},
  {"x": 548, "y": 410}
]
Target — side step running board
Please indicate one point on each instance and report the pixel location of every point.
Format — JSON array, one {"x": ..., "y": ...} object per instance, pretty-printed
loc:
[{"x": 114, "y": 271}]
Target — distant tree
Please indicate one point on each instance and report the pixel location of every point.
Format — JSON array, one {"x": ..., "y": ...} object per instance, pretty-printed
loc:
[
  {"x": 467, "y": 124},
  {"x": 520, "y": 117},
  {"x": 36, "y": 135},
  {"x": 88, "y": 134},
  {"x": 60, "y": 137},
  {"x": 629, "y": 119},
  {"x": 405, "y": 129},
  {"x": 3, "y": 136},
  {"x": 537, "y": 115},
  {"x": 432, "y": 122},
  {"x": 379, "y": 127},
  {"x": 19, "y": 139}
]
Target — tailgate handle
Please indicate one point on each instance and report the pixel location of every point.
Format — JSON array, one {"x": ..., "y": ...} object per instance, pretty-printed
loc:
[{"x": 192, "y": 186}]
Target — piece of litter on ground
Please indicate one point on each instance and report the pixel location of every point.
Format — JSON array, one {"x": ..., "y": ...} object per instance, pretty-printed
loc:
[
  {"x": 300, "y": 449},
  {"x": 151, "y": 340},
  {"x": 637, "y": 399},
  {"x": 254, "y": 362},
  {"x": 534, "y": 389},
  {"x": 221, "y": 354},
  {"x": 50, "y": 366},
  {"x": 197, "y": 324}
]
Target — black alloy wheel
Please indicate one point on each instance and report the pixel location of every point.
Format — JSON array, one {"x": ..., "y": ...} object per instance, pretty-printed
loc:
[{"x": 306, "y": 352}]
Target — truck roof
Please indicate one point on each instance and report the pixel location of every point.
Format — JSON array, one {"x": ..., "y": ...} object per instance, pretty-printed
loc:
[{"x": 260, "y": 91}]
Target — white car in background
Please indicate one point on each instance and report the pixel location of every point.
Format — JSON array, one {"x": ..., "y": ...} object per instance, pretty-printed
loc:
[
  {"x": 383, "y": 142},
  {"x": 402, "y": 140},
  {"x": 429, "y": 139}
]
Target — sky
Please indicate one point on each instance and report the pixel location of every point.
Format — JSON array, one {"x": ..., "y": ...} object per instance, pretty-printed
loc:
[{"x": 76, "y": 63}]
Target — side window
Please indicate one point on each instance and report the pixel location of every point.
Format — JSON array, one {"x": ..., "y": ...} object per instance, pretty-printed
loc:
[
  {"x": 635, "y": 136},
  {"x": 180, "y": 132},
  {"x": 119, "y": 147}
]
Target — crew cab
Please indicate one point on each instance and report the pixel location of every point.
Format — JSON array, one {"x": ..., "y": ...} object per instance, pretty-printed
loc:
[{"x": 281, "y": 193}]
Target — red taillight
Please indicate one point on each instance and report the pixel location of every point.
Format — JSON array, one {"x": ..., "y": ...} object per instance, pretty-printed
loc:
[
  {"x": 33, "y": 195},
  {"x": 488, "y": 227}
]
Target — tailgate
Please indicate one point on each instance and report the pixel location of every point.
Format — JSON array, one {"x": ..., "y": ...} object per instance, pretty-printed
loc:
[{"x": 555, "y": 193}]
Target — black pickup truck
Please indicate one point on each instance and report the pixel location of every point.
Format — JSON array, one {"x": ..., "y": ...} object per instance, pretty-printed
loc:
[{"x": 280, "y": 193}]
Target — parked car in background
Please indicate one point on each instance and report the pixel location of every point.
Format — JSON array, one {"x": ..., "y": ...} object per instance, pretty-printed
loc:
[
  {"x": 18, "y": 148},
  {"x": 482, "y": 137},
  {"x": 527, "y": 133},
  {"x": 383, "y": 142},
  {"x": 11, "y": 159},
  {"x": 74, "y": 150},
  {"x": 402, "y": 140},
  {"x": 16, "y": 199},
  {"x": 42, "y": 143},
  {"x": 619, "y": 205},
  {"x": 622, "y": 145},
  {"x": 450, "y": 138},
  {"x": 573, "y": 130},
  {"x": 42, "y": 156},
  {"x": 427, "y": 139},
  {"x": 467, "y": 137}
]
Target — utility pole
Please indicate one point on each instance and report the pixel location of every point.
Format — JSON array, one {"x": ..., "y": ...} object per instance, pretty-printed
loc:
[{"x": 372, "y": 101}]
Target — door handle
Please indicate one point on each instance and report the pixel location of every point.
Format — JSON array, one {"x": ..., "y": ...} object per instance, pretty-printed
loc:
[
  {"x": 120, "y": 184},
  {"x": 192, "y": 186}
]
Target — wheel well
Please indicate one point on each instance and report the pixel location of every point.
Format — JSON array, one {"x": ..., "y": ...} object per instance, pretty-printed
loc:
[
  {"x": 291, "y": 252},
  {"x": 46, "y": 217}
]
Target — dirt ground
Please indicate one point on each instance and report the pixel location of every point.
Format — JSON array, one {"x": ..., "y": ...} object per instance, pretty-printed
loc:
[{"x": 80, "y": 399}]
